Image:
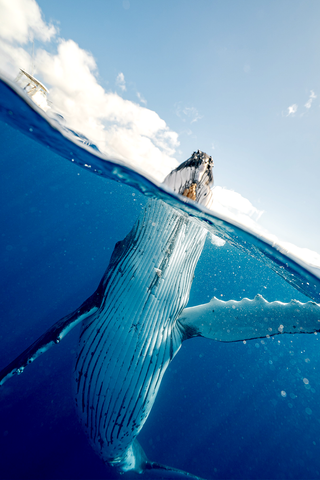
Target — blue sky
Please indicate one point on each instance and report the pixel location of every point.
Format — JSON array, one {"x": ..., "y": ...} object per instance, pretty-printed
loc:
[{"x": 237, "y": 79}]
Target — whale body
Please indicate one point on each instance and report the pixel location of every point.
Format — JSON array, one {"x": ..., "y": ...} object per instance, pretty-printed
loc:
[{"x": 135, "y": 322}]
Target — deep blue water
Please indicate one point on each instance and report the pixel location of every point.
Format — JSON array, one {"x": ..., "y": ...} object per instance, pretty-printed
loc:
[{"x": 219, "y": 413}]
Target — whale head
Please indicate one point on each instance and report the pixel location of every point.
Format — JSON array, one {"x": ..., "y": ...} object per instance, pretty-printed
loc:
[{"x": 193, "y": 178}]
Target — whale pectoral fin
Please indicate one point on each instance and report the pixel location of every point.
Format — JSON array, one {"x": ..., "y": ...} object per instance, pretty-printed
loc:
[
  {"x": 51, "y": 337},
  {"x": 234, "y": 321},
  {"x": 167, "y": 472}
]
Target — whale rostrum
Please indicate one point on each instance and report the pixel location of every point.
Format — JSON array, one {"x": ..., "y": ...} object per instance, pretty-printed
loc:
[{"x": 135, "y": 322}]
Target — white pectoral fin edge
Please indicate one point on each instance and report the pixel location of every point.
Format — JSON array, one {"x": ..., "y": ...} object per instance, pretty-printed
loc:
[
  {"x": 234, "y": 321},
  {"x": 51, "y": 337}
]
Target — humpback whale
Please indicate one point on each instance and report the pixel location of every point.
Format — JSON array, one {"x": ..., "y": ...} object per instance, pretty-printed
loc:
[{"x": 136, "y": 321}]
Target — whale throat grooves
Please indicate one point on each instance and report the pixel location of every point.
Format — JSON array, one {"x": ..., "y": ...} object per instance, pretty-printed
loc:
[{"x": 125, "y": 348}]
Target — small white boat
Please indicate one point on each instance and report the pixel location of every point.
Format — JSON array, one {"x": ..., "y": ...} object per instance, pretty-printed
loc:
[{"x": 34, "y": 89}]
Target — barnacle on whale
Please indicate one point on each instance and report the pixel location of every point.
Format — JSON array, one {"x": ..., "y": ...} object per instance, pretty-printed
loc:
[{"x": 191, "y": 192}]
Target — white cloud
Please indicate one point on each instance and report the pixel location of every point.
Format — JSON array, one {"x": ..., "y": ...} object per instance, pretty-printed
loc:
[
  {"x": 189, "y": 114},
  {"x": 120, "y": 81},
  {"x": 120, "y": 128},
  {"x": 12, "y": 58},
  {"x": 21, "y": 20},
  {"x": 192, "y": 113},
  {"x": 141, "y": 98},
  {"x": 228, "y": 202},
  {"x": 292, "y": 109},
  {"x": 310, "y": 100}
]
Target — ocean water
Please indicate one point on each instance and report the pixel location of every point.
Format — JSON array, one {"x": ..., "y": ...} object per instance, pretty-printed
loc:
[{"x": 224, "y": 410}]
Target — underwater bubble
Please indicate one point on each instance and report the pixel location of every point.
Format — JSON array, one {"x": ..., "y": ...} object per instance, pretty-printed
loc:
[
  {"x": 283, "y": 393},
  {"x": 308, "y": 411},
  {"x": 305, "y": 381}
]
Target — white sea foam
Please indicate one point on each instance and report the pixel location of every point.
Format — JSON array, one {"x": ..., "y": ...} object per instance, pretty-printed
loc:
[{"x": 234, "y": 208}]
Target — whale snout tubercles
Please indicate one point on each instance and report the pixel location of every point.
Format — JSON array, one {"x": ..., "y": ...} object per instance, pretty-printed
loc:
[{"x": 193, "y": 178}]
